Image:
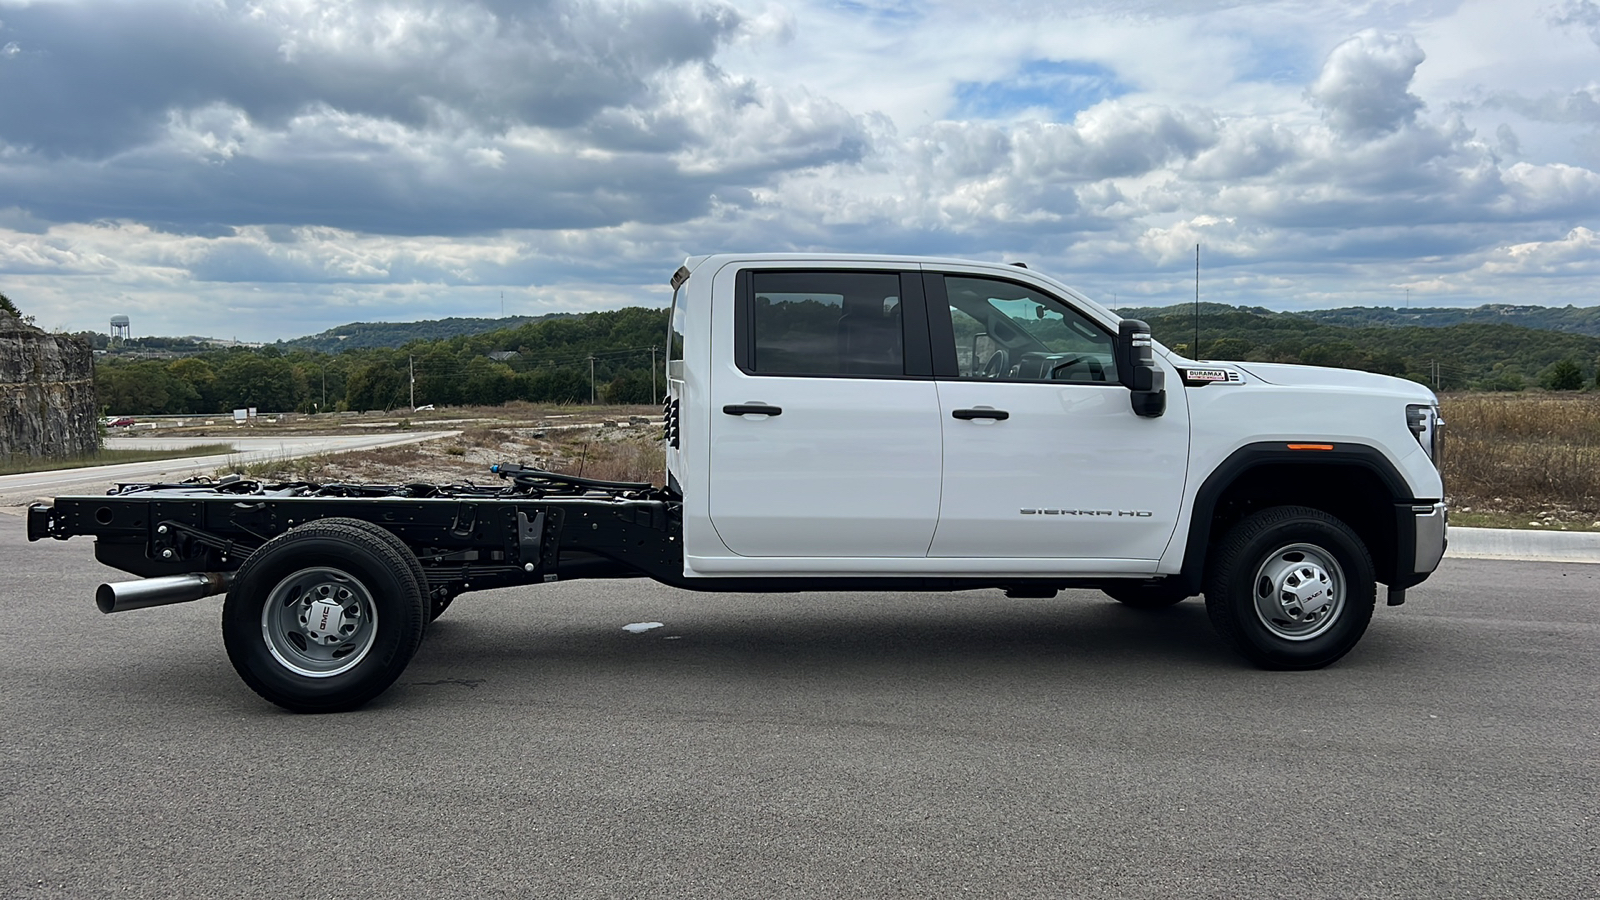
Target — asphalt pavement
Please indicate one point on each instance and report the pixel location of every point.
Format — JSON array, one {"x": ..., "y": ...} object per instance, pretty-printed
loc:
[{"x": 809, "y": 745}]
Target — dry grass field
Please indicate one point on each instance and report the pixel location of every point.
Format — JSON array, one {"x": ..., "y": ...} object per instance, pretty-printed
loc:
[{"x": 1523, "y": 460}]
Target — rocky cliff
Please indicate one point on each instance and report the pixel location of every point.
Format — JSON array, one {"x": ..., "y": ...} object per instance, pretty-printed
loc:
[{"x": 47, "y": 403}]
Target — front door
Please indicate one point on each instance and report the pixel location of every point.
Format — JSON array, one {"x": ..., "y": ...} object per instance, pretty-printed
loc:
[
  {"x": 1043, "y": 454},
  {"x": 822, "y": 444}
]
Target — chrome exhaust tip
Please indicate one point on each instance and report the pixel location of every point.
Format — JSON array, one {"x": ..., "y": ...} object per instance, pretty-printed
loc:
[{"x": 121, "y": 596}]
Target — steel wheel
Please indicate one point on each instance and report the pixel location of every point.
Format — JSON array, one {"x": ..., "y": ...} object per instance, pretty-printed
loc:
[
  {"x": 1299, "y": 592},
  {"x": 325, "y": 616},
  {"x": 319, "y": 622},
  {"x": 1290, "y": 587}
]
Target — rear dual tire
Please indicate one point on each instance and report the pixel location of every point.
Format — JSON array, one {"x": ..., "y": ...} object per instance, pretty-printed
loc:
[{"x": 325, "y": 617}]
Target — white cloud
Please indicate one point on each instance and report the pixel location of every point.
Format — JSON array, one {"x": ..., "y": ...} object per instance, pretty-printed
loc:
[
  {"x": 1580, "y": 14},
  {"x": 290, "y": 164},
  {"x": 1363, "y": 88},
  {"x": 1576, "y": 254}
]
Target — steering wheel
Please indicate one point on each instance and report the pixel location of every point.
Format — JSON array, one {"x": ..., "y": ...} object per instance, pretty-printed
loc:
[
  {"x": 1097, "y": 372},
  {"x": 998, "y": 365}
]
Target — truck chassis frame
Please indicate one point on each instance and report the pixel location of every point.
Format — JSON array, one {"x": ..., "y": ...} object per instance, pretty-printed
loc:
[{"x": 540, "y": 527}]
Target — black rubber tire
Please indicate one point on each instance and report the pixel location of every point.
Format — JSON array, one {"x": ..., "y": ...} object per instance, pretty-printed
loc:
[
  {"x": 1230, "y": 588},
  {"x": 437, "y": 603},
  {"x": 1144, "y": 595},
  {"x": 365, "y": 557}
]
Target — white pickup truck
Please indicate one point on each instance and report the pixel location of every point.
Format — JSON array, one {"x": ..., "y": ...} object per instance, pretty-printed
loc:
[{"x": 850, "y": 423}]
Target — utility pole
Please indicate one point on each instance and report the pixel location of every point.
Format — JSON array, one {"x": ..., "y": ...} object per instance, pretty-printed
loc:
[
  {"x": 652, "y": 376},
  {"x": 1408, "y": 298},
  {"x": 591, "y": 381},
  {"x": 1196, "y": 348},
  {"x": 324, "y": 405},
  {"x": 411, "y": 366}
]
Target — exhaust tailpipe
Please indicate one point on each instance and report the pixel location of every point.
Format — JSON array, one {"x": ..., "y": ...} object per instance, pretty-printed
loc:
[{"x": 120, "y": 596}]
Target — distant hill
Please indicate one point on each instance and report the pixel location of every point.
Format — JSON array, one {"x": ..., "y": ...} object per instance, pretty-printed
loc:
[
  {"x": 370, "y": 335},
  {"x": 1489, "y": 354},
  {"x": 1571, "y": 319}
]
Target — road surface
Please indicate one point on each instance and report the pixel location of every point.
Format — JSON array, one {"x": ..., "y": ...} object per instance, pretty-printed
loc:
[{"x": 810, "y": 745}]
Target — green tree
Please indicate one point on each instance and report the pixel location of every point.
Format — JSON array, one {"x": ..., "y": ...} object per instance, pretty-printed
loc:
[
  {"x": 632, "y": 386},
  {"x": 1504, "y": 381},
  {"x": 1226, "y": 348},
  {"x": 201, "y": 380},
  {"x": 134, "y": 389},
  {"x": 8, "y": 306},
  {"x": 552, "y": 384},
  {"x": 248, "y": 379},
  {"x": 440, "y": 377},
  {"x": 488, "y": 382},
  {"x": 1564, "y": 375},
  {"x": 378, "y": 384}
]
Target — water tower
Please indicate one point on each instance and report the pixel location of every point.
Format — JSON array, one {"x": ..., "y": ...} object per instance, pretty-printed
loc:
[{"x": 120, "y": 328}]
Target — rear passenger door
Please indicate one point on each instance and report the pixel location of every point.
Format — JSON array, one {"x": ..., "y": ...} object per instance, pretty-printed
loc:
[{"x": 825, "y": 430}]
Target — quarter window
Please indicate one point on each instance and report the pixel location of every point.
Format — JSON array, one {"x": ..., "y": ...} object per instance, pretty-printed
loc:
[{"x": 826, "y": 323}]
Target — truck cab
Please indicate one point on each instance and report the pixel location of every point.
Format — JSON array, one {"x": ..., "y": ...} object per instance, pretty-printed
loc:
[{"x": 871, "y": 417}]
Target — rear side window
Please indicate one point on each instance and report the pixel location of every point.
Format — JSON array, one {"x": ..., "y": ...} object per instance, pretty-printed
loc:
[{"x": 825, "y": 323}]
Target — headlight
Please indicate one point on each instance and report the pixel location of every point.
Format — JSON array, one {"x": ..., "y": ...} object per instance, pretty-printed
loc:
[{"x": 1428, "y": 428}]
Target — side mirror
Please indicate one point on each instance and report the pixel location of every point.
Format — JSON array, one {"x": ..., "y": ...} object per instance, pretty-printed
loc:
[{"x": 1137, "y": 369}]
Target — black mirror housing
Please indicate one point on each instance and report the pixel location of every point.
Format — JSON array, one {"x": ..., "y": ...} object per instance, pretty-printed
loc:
[{"x": 1137, "y": 369}]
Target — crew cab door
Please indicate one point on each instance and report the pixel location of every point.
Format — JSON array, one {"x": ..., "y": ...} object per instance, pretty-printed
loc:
[
  {"x": 1043, "y": 454},
  {"x": 824, "y": 417}
]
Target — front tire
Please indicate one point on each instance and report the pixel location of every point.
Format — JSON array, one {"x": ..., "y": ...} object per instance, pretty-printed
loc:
[
  {"x": 1291, "y": 588},
  {"x": 323, "y": 617}
]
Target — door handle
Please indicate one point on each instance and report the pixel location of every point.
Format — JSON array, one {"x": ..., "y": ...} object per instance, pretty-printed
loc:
[
  {"x": 752, "y": 409},
  {"x": 999, "y": 415}
]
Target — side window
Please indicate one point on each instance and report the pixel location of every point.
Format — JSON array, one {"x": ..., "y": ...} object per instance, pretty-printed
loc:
[
  {"x": 1008, "y": 332},
  {"x": 825, "y": 323},
  {"x": 675, "y": 329}
]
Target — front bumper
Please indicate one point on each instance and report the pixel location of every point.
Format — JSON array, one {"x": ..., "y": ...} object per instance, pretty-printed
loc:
[{"x": 1431, "y": 524}]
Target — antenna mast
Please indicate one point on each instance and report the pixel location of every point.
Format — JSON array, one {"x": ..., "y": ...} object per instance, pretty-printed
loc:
[{"x": 1197, "y": 301}]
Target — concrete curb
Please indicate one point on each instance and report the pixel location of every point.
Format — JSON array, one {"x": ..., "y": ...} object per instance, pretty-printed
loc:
[{"x": 1516, "y": 543}]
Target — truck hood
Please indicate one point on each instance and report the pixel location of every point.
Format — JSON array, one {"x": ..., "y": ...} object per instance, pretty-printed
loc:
[{"x": 1322, "y": 376}]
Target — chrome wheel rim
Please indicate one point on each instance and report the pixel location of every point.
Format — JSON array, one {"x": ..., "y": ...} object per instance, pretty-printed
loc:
[
  {"x": 319, "y": 622},
  {"x": 1299, "y": 592}
]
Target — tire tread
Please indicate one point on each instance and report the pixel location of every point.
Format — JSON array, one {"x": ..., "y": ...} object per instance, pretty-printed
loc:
[
  {"x": 387, "y": 554},
  {"x": 1235, "y": 550}
]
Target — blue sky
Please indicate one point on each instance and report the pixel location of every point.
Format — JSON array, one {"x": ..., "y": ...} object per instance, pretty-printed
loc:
[{"x": 271, "y": 168}]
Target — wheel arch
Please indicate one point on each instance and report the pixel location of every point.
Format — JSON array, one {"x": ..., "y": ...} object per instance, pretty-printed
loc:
[{"x": 1355, "y": 483}]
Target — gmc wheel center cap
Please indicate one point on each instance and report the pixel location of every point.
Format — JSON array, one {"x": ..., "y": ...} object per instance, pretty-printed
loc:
[
  {"x": 1307, "y": 588},
  {"x": 324, "y": 621}
]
